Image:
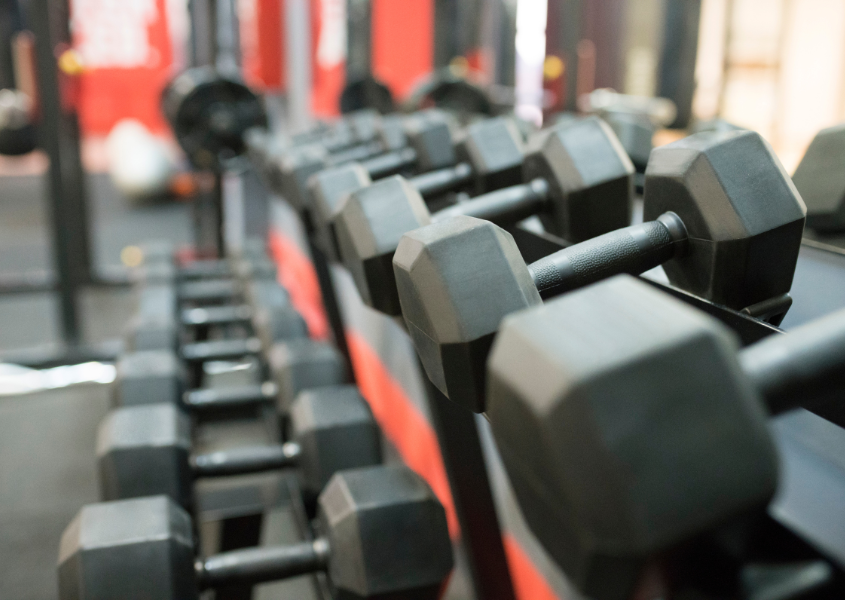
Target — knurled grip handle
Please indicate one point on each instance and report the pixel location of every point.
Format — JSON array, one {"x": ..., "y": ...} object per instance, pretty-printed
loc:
[
  {"x": 442, "y": 180},
  {"x": 631, "y": 250}
]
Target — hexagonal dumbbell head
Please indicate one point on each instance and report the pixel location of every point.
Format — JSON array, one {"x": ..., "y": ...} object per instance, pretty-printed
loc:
[
  {"x": 140, "y": 549},
  {"x": 157, "y": 299},
  {"x": 294, "y": 169},
  {"x": 494, "y": 149},
  {"x": 590, "y": 178},
  {"x": 264, "y": 292},
  {"x": 821, "y": 180},
  {"x": 335, "y": 430},
  {"x": 391, "y": 132},
  {"x": 148, "y": 377},
  {"x": 151, "y": 332},
  {"x": 635, "y": 133},
  {"x": 428, "y": 133},
  {"x": 368, "y": 228},
  {"x": 328, "y": 188},
  {"x": 300, "y": 364},
  {"x": 386, "y": 532},
  {"x": 143, "y": 451},
  {"x": 743, "y": 216},
  {"x": 364, "y": 123},
  {"x": 278, "y": 323},
  {"x": 456, "y": 280},
  {"x": 626, "y": 427}
]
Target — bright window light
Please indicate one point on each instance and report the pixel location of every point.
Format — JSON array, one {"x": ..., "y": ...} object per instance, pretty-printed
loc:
[{"x": 530, "y": 53}]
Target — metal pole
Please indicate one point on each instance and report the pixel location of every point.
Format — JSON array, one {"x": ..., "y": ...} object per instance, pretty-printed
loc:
[
  {"x": 298, "y": 45},
  {"x": 570, "y": 35},
  {"x": 52, "y": 128},
  {"x": 463, "y": 457},
  {"x": 359, "y": 33},
  {"x": 677, "y": 62}
]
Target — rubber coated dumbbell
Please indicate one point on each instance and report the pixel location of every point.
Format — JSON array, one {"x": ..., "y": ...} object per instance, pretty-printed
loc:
[
  {"x": 727, "y": 225},
  {"x": 490, "y": 154},
  {"x": 145, "y": 450},
  {"x": 293, "y": 366},
  {"x": 629, "y": 422},
  {"x": 820, "y": 180},
  {"x": 383, "y": 535},
  {"x": 429, "y": 147},
  {"x": 578, "y": 179}
]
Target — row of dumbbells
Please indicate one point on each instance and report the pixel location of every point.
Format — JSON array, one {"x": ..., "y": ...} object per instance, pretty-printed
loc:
[
  {"x": 455, "y": 337},
  {"x": 379, "y": 532},
  {"x": 630, "y": 424}
]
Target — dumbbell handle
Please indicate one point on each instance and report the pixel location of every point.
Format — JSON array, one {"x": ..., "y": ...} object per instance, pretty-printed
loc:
[
  {"x": 200, "y": 269},
  {"x": 355, "y": 153},
  {"x": 220, "y": 349},
  {"x": 230, "y": 397},
  {"x": 256, "y": 565},
  {"x": 389, "y": 162},
  {"x": 208, "y": 290},
  {"x": 216, "y": 315},
  {"x": 801, "y": 367},
  {"x": 441, "y": 180},
  {"x": 251, "y": 459},
  {"x": 502, "y": 207},
  {"x": 633, "y": 250}
]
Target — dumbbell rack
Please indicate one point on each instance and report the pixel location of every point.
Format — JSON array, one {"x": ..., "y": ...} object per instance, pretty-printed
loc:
[{"x": 240, "y": 509}]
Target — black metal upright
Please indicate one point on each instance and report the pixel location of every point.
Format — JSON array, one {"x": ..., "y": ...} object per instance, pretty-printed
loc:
[
  {"x": 358, "y": 40},
  {"x": 463, "y": 457},
  {"x": 59, "y": 137},
  {"x": 678, "y": 56}
]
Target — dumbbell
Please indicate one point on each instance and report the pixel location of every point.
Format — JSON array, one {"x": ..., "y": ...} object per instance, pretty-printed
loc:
[
  {"x": 293, "y": 365},
  {"x": 160, "y": 320},
  {"x": 356, "y": 128},
  {"x": 159, "y": 264},
  {"x": 629, "y": 422},
  {"x": 429, "y": 146},
  {"x": 145, "y": 450},
  {"x": 578, "y": 179},
  {"x": 490, "y": 154},
  {"x": 820, "y": 180},
  {"x": 383, "y": 534},
  {"x": 726, "y": 225}
]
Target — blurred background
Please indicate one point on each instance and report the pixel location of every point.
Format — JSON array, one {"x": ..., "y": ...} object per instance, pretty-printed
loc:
[
  {"x": 87, "y": 99},
  {"x": 774, "y": 66}
]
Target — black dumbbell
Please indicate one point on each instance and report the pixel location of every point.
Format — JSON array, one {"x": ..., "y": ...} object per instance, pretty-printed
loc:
[
  {"x": 577, "y": 176},
  {"x": 429, "y": 146},
  {"x": 169, "y": 302},
  {"x": 726, "y": 225},
  {"x": 490, "y": 156},
  {"x": 294, "y": 365},
  {"x": 146, "y": 450},
  {"x": 629, "y": 422},
  {"x": 383, "y": 535},
  {"x": 821, "y": 183}
]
